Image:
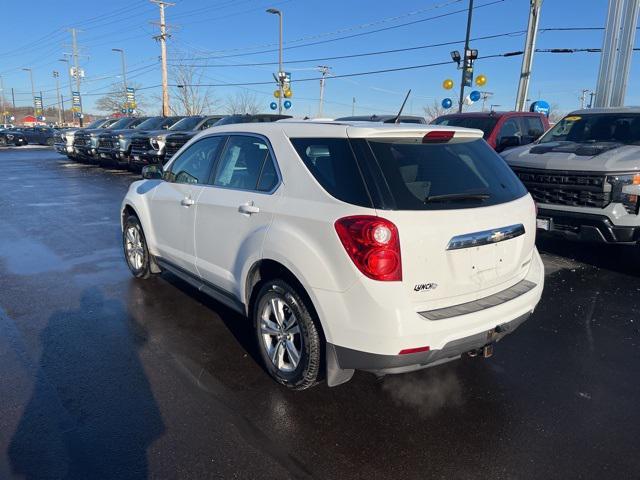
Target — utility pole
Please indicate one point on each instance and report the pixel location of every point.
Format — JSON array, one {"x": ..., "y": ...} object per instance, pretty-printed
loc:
[
  {"x": 62, "y": 103},
  {"x": 324, "y": 70},
  {"x": 281, "y": 74},
  {"x": 66, "y": 60},
  {"x": 485, "y": 96},
  {"x": 353, "y": 106},
  {"x": 591, "y": 95},
  {"x": 527, "y": 58},
  {"x": 33, "y": 94},
  {"x": 56, "y": 75},
  {"x": 13, "y": 99},
  {"x": 583, "y": 97},
  {"x": 74, "y": 45},
  {"x": 4, "y": 117},
  {"x": 162, "y": 38},
  {"x": 467, "y": 68}
]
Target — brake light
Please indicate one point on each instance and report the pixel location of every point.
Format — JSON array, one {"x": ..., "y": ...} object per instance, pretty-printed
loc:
[
  {"x": 438, "y": 136},
  {"x": 373, "y": 244}
]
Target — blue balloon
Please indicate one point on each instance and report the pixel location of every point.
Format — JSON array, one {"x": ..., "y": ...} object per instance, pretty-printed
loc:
[
  {"x": 540, "y": 106},
  {"x": 273, "y": 105},
  {"x": 287, "y": 104},
  {"x": 474, "y": 96},
  {"x": 447, "y": 103}
]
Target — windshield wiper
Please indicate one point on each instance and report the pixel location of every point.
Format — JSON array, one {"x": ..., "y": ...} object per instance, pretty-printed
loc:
[{"x": 451, "y": 197}]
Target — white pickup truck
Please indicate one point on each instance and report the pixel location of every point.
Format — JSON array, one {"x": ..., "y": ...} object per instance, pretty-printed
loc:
[{"x": 584, "y": 175}]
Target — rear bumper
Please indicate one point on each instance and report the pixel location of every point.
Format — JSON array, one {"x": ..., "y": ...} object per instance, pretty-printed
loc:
[
  {"x": 587, "y": 227},
  {"x": 365, "y": 332},
  {"x": 348, "y": 359}
]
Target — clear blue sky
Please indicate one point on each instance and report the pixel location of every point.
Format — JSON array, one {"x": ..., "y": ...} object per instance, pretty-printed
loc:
[{"x": 34, "y": 36}]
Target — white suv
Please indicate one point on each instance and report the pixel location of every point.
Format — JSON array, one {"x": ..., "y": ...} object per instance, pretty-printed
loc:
[{"x": 350, "y": 246}]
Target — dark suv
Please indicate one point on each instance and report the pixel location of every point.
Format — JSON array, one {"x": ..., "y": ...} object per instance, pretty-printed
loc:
[
  {"x": 383, "y": 119},
  {"x": 502, "y": 130},
  {"x": 147, "y": 147},
  {"x": 114, "y": 144},
  {"x": 180, "y": 133}
]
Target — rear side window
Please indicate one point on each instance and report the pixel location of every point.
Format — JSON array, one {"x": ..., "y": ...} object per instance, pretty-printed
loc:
[
  {"x": 486, "y": 124},
  {"x": 246, "y": 164},
  {"x": 331, "y": 161},
  {"x": 445, "y": 175}
]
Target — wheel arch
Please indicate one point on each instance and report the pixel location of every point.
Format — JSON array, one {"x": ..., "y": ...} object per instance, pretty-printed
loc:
[{"x": 269, "y": 269}]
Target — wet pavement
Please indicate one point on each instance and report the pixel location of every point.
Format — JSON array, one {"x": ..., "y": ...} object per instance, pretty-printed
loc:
[{"x": 104, "y": 376}]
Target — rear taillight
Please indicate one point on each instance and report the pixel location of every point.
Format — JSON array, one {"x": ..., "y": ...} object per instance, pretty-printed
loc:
[
  {"x": 438, "y": 136},
  {"x": 373, "y": 244}
]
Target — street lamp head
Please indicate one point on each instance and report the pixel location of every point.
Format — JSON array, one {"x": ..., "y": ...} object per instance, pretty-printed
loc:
[
  {"x": 455, "y": 56},
  {"x": 26, "y": 69},
  {"x": 274, "y": 11},
  {"x": 116, "y": 49}
]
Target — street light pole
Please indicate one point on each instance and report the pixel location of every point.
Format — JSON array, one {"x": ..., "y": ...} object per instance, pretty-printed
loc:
[
  {"x": 465, "y": 57},
  {"x": 56, "y": 75},
  {"x": 4, "y": 117},
  {"x": 324, "y": 70},
  {"x": 275, "y": 11},
  {"x": 66, "y": 60},
  {"x": 33, "y": 94},
  {"x": 124, "y": 72}
]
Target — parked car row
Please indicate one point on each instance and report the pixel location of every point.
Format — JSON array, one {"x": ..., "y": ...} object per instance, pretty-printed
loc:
[
  {"x": 133, "y": 142},
  {"x": 19, "y": 136}
]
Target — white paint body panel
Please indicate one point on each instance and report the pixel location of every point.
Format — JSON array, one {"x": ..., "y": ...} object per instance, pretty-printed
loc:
[{"x": 295, "y": 227}]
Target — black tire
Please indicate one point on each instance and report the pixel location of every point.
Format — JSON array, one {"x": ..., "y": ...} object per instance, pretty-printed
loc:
[
  {"x": 3, "y": 142},
  {"x": 308, "y": 370},
  {"x": 50, "y": 142},
  {"x": 143, "y": 269}
]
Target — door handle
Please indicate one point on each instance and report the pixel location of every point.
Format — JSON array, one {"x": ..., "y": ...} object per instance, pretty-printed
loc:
[
  {"x": 248, "y": 208},
  {"x": 187, "y": 202}
]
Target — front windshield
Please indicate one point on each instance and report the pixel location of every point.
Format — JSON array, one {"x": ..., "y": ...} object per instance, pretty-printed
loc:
[
  {"x": 96, "y": 123},
  {"x": 596, "y": 127},
  {"x": 486, "y": 124},
  {"x": 188, "y": 123},
  {"x": 122, "y": 123},
  {"x": 152, "y": 123}
]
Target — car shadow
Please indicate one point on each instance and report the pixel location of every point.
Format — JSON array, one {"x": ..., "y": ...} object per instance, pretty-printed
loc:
[
  {"x": 92, "y": 413},
  {"x": 618, "y": 258}
]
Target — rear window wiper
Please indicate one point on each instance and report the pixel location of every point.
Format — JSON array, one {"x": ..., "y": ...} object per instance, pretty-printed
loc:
[{"x": 451, "y": 197}]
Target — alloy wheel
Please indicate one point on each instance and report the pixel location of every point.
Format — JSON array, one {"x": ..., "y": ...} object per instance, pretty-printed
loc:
[{"x": 281, "y": 334}]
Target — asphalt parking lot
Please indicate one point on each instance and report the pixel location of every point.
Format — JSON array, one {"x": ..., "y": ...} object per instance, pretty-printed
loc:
[{"x": 105, "y": 376}]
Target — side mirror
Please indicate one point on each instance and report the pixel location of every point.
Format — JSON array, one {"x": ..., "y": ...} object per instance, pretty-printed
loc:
[
  {"x": 508, "y": 142},
  {"x": 152, "y": 172}
]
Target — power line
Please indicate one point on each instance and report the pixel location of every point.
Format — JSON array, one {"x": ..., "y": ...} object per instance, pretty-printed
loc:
[{"x": 435, "y": 17}]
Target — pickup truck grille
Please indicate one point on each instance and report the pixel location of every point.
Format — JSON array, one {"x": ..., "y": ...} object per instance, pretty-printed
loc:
[
  {"x": 174, "y": 143},
  {"x": 81, "y": 141},
  {"x": 105, "y": 142},
  {"x": 566, "y": 188},
  {"x": 140, "y": 144}
]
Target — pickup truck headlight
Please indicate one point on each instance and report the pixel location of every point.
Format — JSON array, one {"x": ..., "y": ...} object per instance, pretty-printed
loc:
[
  {"x": 625, "y": 189},
  {"x": 94, "y": 141},
  {"x": 157, "y": 143}
]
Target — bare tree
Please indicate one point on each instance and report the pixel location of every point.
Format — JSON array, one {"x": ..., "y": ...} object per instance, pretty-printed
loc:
[
  {"x": 112, "y": 101},
  {"x": 243, "y": 102},
  {"x": 433, "y": 111},
  {"x": 189, "y": 97}
]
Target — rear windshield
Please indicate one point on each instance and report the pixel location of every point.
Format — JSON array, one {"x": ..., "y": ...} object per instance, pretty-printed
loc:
[
  {"x": 594, "y": 128},
  {"x": 486, "y": 124},
  {"x": 398, "y": 175}
]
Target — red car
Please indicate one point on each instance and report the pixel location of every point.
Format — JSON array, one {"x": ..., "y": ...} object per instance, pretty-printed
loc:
[{"x": 502, "y": 130}]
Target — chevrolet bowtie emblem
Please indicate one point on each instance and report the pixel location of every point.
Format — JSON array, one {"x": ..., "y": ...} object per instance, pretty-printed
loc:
[{"x": 497, "y": 237}]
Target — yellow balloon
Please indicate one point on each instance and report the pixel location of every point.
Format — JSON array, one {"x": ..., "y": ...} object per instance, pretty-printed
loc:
[
  {"x": 288, "y": 93},
  {"x": 447, "y": 84},
  {"x": 276, "y": 94},
  {"x": 481, "y": 80}
]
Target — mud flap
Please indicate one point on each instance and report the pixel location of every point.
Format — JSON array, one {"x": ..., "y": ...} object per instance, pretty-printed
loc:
[{"x": 336, "y": 375}]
